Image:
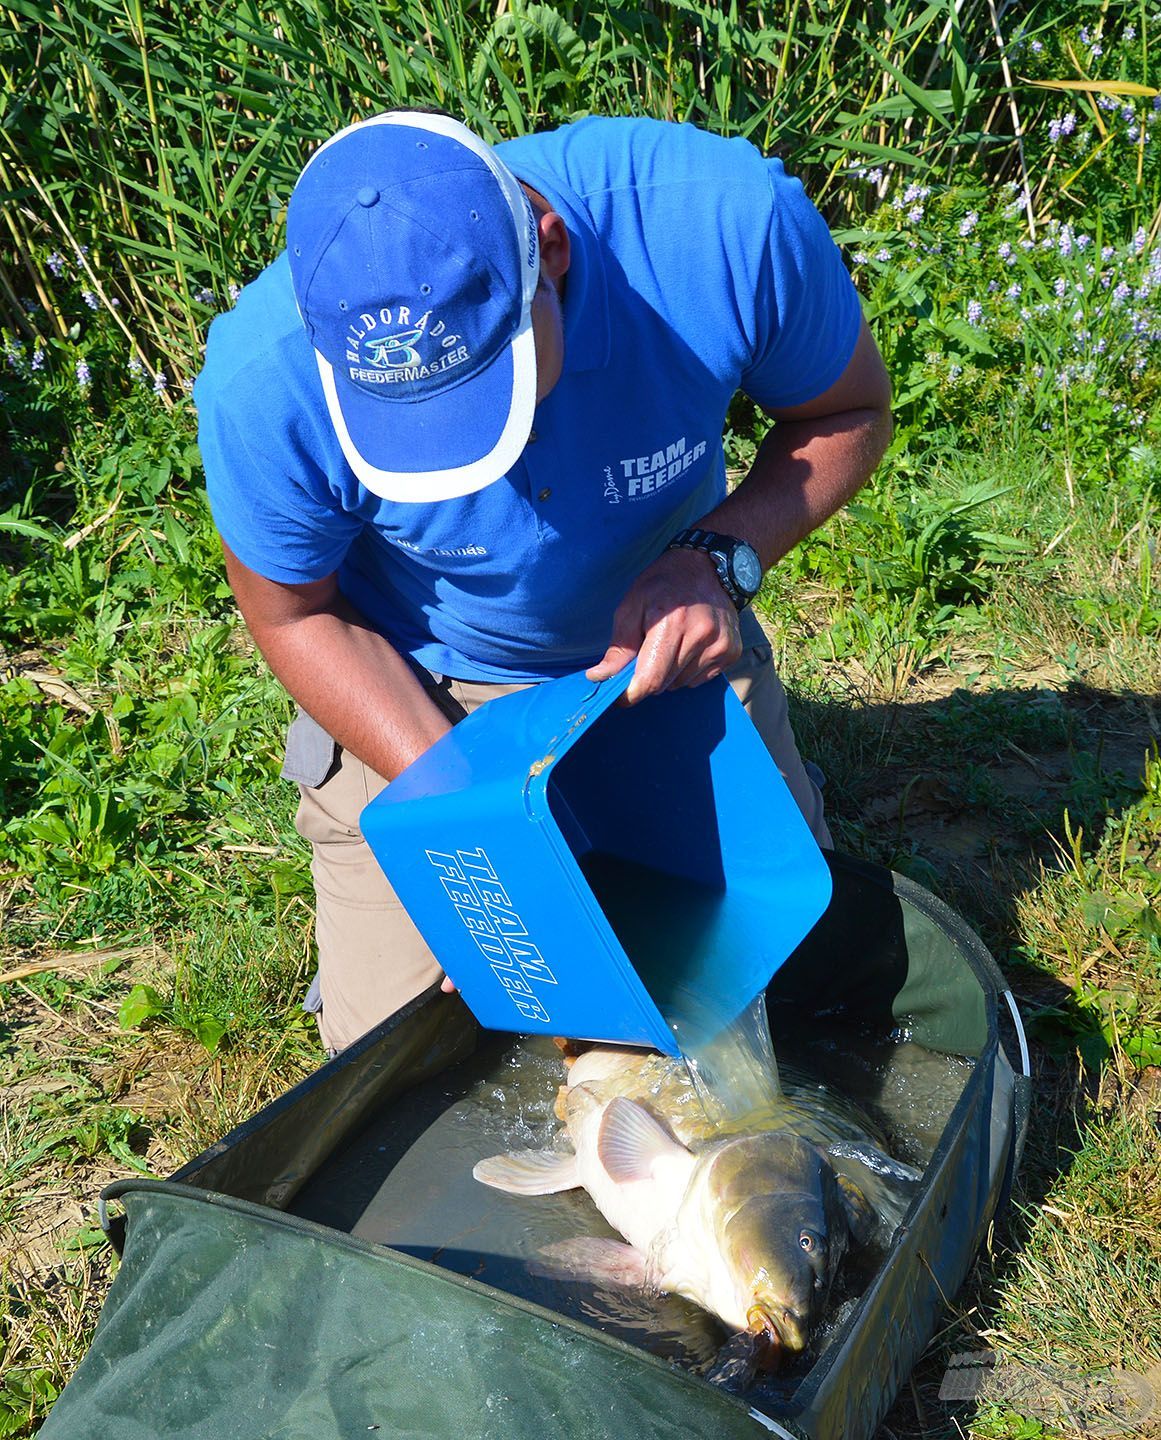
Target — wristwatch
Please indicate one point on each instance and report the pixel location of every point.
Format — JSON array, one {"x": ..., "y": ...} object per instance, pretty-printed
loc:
[{"x": 737, "y": 563}]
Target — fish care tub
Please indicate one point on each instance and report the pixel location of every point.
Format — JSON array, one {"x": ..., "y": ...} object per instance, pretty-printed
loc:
[{"x": 331, "y": 1269}]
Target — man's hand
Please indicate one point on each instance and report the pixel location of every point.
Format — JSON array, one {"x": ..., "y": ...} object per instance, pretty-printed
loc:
[{"x": 678, "y": 621}]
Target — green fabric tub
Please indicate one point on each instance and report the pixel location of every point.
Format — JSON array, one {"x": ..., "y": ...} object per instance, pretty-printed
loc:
[{"x": 257, "y": 1299}]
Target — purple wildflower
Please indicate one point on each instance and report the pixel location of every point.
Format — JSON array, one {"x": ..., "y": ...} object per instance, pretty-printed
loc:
[
  {"x": 915, "y": 214},
  {"x": 38, "y": 358},
  {"x": 135, "y": 368},
  {"x": 204, "y": 296},
  {"x": 1005, "y": 251},
  {"x": 883, "y": 255},
  {"x": 160, "y": 383},
  {"x": 1037, "y": 47},
  {"x": 235, "y": 290},
  {"x": 83, "y": 374},
  {"x": 1014, "y": 291},
  {"x": 90, "y": 299},
  {"x": 969, "y": 223},
  {"x": 1060, "y": 285},
  {"x": 975, "y": 312},
  {"x": 55, "y": 263},
  {"x": 1064, "y": 241},
  {"x": 1068, "y": 124}
]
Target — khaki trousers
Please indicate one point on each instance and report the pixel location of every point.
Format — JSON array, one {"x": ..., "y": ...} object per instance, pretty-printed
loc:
[{"x": 372, "y": 960}]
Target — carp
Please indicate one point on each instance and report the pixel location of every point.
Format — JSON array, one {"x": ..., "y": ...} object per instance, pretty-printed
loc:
[{"x": 751, "y": 1226}]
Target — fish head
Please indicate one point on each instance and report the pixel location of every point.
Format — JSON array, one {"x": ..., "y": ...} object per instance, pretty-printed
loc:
[
  {"x": 776, "y": 1234},
  {"x": 777, "y": 1250}
]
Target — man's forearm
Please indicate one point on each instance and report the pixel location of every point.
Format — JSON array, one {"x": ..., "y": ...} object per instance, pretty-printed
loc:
[
  {"x": 354, "y": 683},
  {"x": 342, "y": 672},
  {"x": 804, "y": 471}
]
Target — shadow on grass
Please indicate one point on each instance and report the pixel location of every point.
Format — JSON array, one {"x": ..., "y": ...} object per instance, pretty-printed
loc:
[{"x": 975, "y": 796}]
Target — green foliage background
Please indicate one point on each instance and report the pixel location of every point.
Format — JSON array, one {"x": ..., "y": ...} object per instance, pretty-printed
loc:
[{"x": 992, "y": 171}]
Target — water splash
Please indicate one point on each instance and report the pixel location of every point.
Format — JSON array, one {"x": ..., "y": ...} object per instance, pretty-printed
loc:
[{"x": 734, "y": 1073}]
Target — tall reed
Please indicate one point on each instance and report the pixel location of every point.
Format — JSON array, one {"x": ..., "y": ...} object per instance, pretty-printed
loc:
[{"x": 156, "y": 143}]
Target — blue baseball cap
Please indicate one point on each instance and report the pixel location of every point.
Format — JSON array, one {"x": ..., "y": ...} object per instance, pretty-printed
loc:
[{"x": 414, "y": 257}]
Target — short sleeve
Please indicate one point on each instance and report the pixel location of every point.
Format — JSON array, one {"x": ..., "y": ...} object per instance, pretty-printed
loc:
[
  {"x": 808, "y": 314},
  {"x": 271, "y": 503}
]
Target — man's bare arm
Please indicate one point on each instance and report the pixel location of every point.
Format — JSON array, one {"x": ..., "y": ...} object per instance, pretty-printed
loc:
[
  {"x": 343, "y": 673},
  {"x": 677, "y": 619}
]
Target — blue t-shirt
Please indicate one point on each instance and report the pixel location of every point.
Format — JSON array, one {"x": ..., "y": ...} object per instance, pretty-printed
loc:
[{"x": 698, "y": 268}]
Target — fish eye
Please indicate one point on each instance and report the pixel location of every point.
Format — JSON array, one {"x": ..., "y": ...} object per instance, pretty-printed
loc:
[{"x": 806, "y": 1240}]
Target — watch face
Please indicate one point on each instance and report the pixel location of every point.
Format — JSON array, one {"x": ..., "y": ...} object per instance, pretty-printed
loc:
[{"x": 747, "y": 569}]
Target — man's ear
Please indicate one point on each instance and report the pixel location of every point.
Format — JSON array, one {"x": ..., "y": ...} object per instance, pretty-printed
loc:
[{"x": 555, "y": 247}]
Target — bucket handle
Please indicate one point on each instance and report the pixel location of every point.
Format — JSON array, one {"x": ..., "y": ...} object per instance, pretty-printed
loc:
[{"x": 1025, "y": 1058}]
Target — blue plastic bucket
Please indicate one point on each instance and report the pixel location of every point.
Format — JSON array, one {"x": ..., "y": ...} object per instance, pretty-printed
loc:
[{"x": 586, "y": 869}]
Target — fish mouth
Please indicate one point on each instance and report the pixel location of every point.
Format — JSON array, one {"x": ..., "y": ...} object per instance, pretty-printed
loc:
[{"x": 778, "y": 1337}]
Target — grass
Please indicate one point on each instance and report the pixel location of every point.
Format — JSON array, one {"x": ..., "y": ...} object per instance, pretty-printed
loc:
[
  {"x": 1004, "y": 754},
  {"x": 971, "y": 647},
  {"x": 1007, "y": 757}
]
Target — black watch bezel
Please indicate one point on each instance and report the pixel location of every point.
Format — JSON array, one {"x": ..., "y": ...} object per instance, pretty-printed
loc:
[{"x": 721, "y": 549}]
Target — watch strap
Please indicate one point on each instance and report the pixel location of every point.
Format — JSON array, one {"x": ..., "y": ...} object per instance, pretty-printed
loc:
[{"x": 719, "y": 548}]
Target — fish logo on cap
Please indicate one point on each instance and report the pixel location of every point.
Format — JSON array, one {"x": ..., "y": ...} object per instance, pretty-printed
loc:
[{"x": 399, "y": 349}]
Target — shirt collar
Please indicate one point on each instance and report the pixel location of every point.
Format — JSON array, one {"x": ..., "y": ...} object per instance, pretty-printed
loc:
[{"x": 586, "y": 298}]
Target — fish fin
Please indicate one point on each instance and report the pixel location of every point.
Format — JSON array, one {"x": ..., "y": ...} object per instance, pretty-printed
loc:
[
  {"x": 607, "y": 1262},
  {"x": 875, "y": 1160},
  {"x": 631, "y": 1140},
  {"x": 735, "y": 1366},
  {"x": 859, "y": 1212},
  {"x": 529, "y": 1172}
]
